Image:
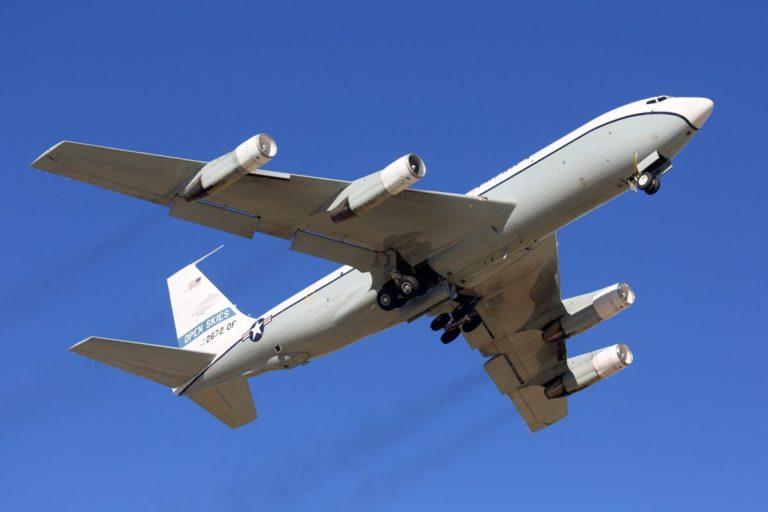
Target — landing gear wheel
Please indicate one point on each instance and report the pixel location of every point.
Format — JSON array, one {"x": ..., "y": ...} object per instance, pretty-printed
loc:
[
  {"x": 450, "y": 335},
  {"x": 461, "y": 311},
  {"x": 645, "y": 180},
  {"x": 440, "y": 322},
  {"x": 655, "y": 186},
  {"x": 386, "y": 299},
  {"x": 409, "y": 285},
  {"x": 472, "y": 324}
]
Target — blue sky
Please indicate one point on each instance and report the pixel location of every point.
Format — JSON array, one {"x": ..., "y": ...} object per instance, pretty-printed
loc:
[{"x": 397, "y": 421}]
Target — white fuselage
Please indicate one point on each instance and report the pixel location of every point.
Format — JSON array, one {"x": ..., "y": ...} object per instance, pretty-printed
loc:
[{"x": 551, "y": 188}]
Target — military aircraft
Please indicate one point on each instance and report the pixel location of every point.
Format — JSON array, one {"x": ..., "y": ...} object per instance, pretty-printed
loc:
[{"x": 483, "y": 264}]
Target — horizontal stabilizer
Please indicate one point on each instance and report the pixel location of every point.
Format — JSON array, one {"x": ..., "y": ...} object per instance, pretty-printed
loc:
[
  {"x": 169, "y": 366},
  {"x": 230, "y": 402}
]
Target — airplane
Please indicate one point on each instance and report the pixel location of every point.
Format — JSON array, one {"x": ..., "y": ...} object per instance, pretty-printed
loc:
[{"x": 483, "y": 264}]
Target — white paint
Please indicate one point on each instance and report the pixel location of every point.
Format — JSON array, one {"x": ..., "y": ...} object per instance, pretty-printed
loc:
[
  {"x": 399, "y": 175},
  {"x": 695, "y": 110},
  {"x": 255, "y": 152},
  {"x": 612, "y": 359},
  {"x": 609, "y": 301}
]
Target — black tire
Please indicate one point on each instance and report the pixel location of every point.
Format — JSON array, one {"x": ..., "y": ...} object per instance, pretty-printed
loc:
[
  {"x": 440, "y": 321},
  {"x": 655, "y": 186},
  {"x": 471, "y": 324},
  {"x": 461, "y": 311},
  {"x": 645, "y": 180},
  {"x": 400, "y": 301},
  {"x": 409, "y": 286},
  {"x": 386, "y": 299},
  {"x": 450, "y": 335}
]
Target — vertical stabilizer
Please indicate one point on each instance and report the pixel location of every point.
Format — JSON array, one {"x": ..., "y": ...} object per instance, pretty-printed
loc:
[{"x": 205, "y": 319}]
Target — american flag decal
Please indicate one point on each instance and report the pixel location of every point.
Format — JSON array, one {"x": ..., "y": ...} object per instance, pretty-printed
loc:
[{"x": 194, "y": 283}]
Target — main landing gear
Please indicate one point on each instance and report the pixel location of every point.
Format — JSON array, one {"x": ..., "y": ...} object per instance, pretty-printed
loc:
[
  {"x": 396, "y": 292},
  {"x": 406, "y": 283},
  {"x": 462, "y": 318}
]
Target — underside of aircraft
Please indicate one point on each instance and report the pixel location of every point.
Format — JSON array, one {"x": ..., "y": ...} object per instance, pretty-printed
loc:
[{"x": 482, "y": 264}]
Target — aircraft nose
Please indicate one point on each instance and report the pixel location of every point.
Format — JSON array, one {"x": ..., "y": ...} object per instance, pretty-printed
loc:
[{"x": 697, "y": 110}]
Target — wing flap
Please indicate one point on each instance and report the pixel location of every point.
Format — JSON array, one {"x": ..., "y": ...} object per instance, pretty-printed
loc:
[
  {"x": 416, "y": 223},
  {"x": 230, "y": 403},
  {"x": 169, "y": 366},
  {"x": 537, "y": 410}
]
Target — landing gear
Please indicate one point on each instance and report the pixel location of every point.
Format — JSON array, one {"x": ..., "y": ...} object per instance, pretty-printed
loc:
[
  {"x": 406, "y": 283},
  {"x": 440, "y": 321},
  {"x": 645, "y": 180},
  {"x": 472, "y": 323},
  {"x": 463, "y": 318},
  {"x": 655, "y": 186},
  {"x": 450, "y": 335},
  {"x": 409, "y": 285},
  {"x": 648, "y": 183},
  {"x": 462, "y": 310},
  {"x": 386, "y": 299}
]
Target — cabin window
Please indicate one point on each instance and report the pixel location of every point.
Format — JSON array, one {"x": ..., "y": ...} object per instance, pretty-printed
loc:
[
  {"x": 649, "y": 102},
  {"x": 662, "y": 98}
]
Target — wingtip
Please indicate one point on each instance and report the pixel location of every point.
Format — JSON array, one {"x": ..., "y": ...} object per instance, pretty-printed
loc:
[
  {"x": 76, "y": 347},
  {"x": 45, "y": 156}
]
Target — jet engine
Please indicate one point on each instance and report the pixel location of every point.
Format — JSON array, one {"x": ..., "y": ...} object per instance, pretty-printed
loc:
[
  {"x": 586, "y": 369},
  {"x": 586, "y": 311},
  {"x": 225, "y": 170},
  {"x": 367, "y": 193}
]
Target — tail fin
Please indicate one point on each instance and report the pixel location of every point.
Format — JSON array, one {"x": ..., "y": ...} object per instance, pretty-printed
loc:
[{"x": 205, "y": 319}]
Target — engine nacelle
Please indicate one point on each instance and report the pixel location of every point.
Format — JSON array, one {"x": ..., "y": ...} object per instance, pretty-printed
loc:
[
  {"x": 225, "y": 170},
  {"x": 586, "y": 369},
  {"x": 367, "y": 193},
  {"x": 586, "y": 311}
]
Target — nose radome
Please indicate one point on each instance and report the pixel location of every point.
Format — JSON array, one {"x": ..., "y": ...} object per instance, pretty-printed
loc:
[{"x": 697, "y": 110}]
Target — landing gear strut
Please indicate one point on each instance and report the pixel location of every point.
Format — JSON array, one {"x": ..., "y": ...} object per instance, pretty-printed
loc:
[{"x": 409, "y": 285}]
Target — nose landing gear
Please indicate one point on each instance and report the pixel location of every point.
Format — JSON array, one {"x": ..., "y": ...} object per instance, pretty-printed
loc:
[
  {"x": 647, "y": 176},
  {"x": 648, "y": 183}
]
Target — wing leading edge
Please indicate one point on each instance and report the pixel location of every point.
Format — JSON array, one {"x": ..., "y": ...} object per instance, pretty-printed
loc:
[{"x": 414, "y": 223}]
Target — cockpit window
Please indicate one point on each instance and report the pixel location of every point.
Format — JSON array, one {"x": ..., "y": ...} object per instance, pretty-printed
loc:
[{"x": 656, "y": 100}]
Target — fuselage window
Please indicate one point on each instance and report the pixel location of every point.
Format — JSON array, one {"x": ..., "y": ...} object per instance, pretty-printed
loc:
[
  {"x": 662, "y": 98},
  {"x": 650, "y": 101}
]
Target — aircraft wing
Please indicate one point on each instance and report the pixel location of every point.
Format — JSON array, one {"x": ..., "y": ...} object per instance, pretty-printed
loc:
[
  {"x": 516, "y": 304},
  {"x": 415, "y": 223}
]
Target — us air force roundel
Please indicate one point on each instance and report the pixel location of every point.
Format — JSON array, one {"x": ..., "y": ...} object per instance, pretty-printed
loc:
[{"x": 256, "y": 331}]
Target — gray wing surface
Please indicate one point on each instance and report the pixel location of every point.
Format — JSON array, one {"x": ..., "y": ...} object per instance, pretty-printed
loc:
[
  {"x": 415, "y": 223},
  {"x": 230, "y": 403},
  {"x": 153, "y": 178},
  {"x": 516, "y": 304},
  {"x": 168, "y": 366}
]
